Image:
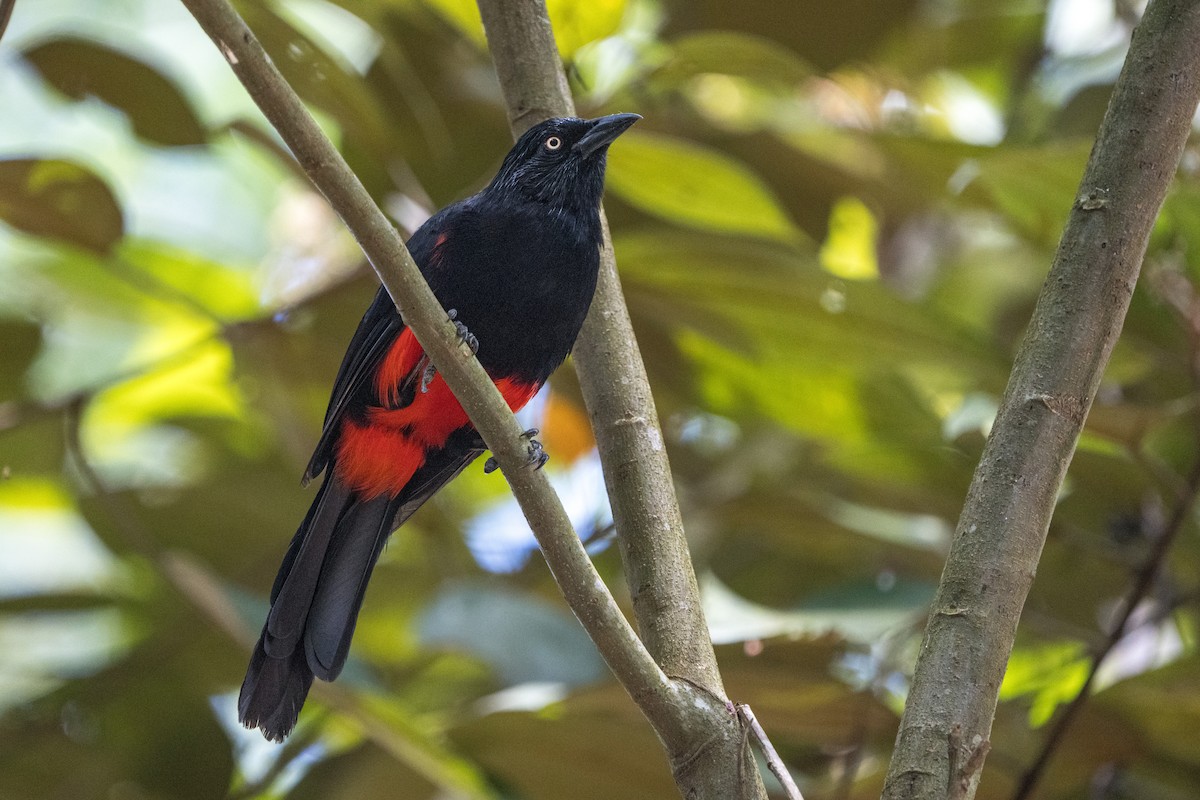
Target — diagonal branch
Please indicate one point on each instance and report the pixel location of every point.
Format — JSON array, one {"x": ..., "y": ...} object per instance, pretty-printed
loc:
[
  {"x": 658, "y": 565},
  {"x": 585, "y": 592},
  {"x": 1078, "y": 317}
]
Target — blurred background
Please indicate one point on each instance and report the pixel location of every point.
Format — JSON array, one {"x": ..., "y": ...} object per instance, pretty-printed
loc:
[{"x": 831, "y": 227}]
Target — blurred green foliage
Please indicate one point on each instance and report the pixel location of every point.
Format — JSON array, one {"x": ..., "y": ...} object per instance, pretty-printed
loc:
[{"x": 831, "y": 227}]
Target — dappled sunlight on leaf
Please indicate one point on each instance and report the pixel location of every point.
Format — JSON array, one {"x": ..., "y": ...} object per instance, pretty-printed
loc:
[
  {"x": 224, "y": 291},
  {"x": 575, "y": 24},
  {"x": 1051, "y": 673},
  {"x": 849, "y": 251},
  {"x": 199, "y": 385},
  {"x": 123, "y": 427}
]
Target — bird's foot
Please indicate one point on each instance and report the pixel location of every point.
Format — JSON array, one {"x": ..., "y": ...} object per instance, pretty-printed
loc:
[
  {"x": 536, "y": 455},
  {"x": 464, "y": 335},
  {"x": 427, "y": 376}
]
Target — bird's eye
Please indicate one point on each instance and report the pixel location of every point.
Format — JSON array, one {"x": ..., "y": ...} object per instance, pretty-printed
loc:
[{"x": 553, "y": 143}]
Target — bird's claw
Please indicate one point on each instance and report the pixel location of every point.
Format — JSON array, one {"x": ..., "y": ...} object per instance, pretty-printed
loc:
[
  {"x": 536, "y": 455},
  {"x": 427, "y": 376},
  {"x": 464, "y": 335}
]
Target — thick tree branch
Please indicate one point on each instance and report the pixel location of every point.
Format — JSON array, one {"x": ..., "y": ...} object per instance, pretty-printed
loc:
[
  {"x": 637, "y": 473},
  {"x": 615, "y": 387},
  {"x": 585, "y": 592},
  {"x": 1076, "y": 323}
]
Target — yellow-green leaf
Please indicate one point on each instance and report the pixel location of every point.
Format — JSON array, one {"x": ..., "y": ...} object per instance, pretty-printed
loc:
[
  {"x": 693, "y": 185},
  {"x": 849, "y": 250}
]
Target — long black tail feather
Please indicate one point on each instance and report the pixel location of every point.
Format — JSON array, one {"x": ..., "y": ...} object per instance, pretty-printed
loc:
[
  {"x": 314, "y": 606},
  {"x": 321, "y": 583}
]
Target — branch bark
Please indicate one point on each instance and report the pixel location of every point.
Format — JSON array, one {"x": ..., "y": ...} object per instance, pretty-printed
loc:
[
  {"x": 658, "y": 697},
  {"x": 710, "y": 758},
  {"x": 999, "y": 538}
]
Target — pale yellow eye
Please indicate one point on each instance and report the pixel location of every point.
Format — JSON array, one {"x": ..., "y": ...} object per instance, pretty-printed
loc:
[{"x": 553, "y": 143}]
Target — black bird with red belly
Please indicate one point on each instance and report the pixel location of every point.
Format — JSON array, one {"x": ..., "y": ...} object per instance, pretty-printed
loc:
[{"x": 517, "y": 265}]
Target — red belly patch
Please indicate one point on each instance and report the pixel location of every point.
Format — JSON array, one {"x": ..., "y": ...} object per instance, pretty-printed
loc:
[{"x": 381, "y": 455}]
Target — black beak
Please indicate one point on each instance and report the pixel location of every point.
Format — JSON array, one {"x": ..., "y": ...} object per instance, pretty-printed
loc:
[{"x": 604, "y": 131}]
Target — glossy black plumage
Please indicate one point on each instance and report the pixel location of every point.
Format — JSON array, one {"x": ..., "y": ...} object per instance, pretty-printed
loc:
[{"x": 518, "y": 262}]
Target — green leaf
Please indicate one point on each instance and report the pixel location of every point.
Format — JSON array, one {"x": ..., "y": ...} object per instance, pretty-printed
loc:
[
  {"x": 156, "y": 108},
  {"x": 1052, "y": 673},
  {"x": 224, "y": 290},
  {"x": 576, "y": 24},
  {"x": 60, "y": 200},
  {"x": 693, "y": 185},
  {"x": 850, "y": 249},
  {"x": 1033, "y": 187}
]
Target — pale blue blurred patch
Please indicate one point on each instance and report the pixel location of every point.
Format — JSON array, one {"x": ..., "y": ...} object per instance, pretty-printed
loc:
[
  {"x": 500, "y": 538},
  {"x": 523, "y": 638},
  {"x": 256, "y": 756},
  {"x": 529, "y": 697}
]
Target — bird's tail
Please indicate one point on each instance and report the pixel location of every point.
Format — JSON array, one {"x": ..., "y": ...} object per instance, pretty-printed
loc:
[{"x": 314, "y": 605}]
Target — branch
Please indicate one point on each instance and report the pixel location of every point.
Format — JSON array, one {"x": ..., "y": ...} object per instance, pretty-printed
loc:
[
  {"x": 1133, "y": 599},
  {"x": 616, "y": 390},
  {"x": 637, "y": 474},
  {"x": 774, "y": 762},
  {"x": 6, "y": 9},
  {"x": 585, "y": 592},
  {"x": 1078, "y": 317}
]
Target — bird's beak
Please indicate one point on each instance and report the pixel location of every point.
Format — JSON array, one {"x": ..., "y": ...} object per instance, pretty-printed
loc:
[{"x": 604, "y": 131}]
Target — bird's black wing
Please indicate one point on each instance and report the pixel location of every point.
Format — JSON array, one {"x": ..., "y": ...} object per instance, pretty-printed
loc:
[{"x": 379, "y": 328}]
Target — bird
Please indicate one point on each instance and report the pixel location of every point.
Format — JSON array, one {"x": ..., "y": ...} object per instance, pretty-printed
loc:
[{"x": 515, "y": 267}]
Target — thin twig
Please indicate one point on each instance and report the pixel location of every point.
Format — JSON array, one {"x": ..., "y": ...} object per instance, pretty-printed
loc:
[
  {"x": 1137, "y": 593},
  {"x": 774, "y": 762}
]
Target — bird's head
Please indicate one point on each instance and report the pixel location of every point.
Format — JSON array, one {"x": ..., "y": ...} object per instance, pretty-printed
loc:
[{"x": 561, "y": 161}]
